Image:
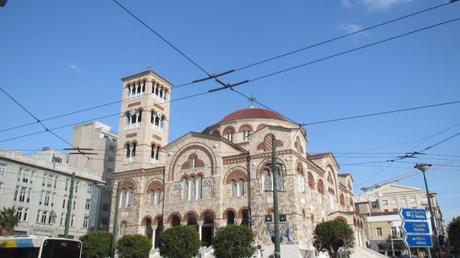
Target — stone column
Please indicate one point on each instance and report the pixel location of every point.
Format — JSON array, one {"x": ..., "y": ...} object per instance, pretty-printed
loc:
[
  {"x": 238, "y": 221},
  {"x": 154, "y": 228},
  {"x": 200, "y": 226}
]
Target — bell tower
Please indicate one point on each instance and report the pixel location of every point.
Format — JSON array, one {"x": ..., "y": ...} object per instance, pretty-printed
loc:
[{"x": 144, "y": 121}]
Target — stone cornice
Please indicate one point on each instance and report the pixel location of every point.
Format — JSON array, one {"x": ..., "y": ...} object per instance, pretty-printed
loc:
[{"x": 139, "y": 173}]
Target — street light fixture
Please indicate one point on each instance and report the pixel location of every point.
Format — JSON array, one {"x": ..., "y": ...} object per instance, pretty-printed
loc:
[{"x": 424, "y": 167}]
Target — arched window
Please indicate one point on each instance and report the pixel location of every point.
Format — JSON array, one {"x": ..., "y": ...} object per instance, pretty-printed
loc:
[
  {"x": 153, "y": 151},
  {"x": 342, "y": 199},
  {"x": 123, "y": 226},
  {"x": 192, "y": 188},
  {"x": 234, "y": 188},
  {"x": 228, "y": 133},
  {"x": 245, "y": 129},
  {"x": 267, "y": 178},
  {"x": 130, "y": 149},
  {"x": 123, "y": 199},
  {"x": 133, "y": 118},
  {"x": 199, "y": 186},
  {"x": 241, "y": 186},
  {"x": 267, "y": 183},
  {"x": 155, "y": 197},
  {"x": 193, "y": 161},
  {"x": 246, "y": 135},
  {"x": 184, "y": 188},
  {"x": 320, "y": 186},
  {"x": 311, "y": 181},
  {"x": 127, "y": 197},
  {"x": 130, "y": 198},
  {"x": 300, "y": 183}
]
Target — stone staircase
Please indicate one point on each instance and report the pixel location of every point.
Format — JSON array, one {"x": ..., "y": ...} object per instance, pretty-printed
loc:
[{"x": 363, "y": 252}]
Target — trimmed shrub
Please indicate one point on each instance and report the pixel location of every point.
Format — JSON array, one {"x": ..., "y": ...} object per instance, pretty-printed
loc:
[
  {"x": 180, "y": 242},
  {"x": 134, "y": 246},
  {"x": 234, "y": 241},
  {"x": 96, "y": 244}
]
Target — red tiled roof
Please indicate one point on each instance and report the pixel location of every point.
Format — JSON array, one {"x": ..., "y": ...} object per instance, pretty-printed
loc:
[{"x": 251, "y": 113}]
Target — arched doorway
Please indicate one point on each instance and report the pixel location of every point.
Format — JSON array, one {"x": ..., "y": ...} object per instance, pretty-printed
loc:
[
  {"x": 148, "y": 230},
  {"x": 158, "y": 230},
  {"x": 175, "y": 221},
  {"x": 244, "y": 214},
  {"x": 230, "y": 218},
  {"x": 192, "y": 220},
  {"x": 207, "y": 230}
]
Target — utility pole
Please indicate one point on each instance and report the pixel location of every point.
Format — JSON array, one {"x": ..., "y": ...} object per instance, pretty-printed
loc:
[
  {"x": 113, "y": 245},
  {"x": 423, "y": 167},
  {"x": 69, "y": 207},
  {"x": 275, "y": 199},
  {"x": 79, "y": 151}
]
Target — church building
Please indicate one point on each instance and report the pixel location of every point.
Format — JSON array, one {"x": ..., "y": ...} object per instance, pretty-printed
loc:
[{"x": 222, "y": 175}]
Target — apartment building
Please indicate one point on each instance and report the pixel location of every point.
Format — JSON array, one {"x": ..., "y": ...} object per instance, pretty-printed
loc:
[{"x": 38, "y": 187}]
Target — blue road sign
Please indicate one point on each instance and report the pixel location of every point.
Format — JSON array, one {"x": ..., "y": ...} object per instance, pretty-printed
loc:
[
  {"x": 416, "y": 227},
  {"x": 418, "y": 241},
  {"x": 412, "y": 214}
]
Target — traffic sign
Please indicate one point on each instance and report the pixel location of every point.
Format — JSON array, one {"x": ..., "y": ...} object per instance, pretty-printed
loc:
[
  {"x": 418, "y": 241},
  {"x": 413, "y": 214},
  {"x": 416, "y": 227}
]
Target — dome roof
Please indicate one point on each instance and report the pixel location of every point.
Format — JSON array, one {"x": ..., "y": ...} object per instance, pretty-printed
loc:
[{"x": 251, "y": 113}]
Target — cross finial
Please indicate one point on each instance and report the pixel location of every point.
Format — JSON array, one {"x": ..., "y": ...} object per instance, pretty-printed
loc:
[{"x": 251, "y": 100}]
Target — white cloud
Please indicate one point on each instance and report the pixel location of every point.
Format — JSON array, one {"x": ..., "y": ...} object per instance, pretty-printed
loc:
[
  {"x": 73, "y": 67},
  {"x": 375, "y": 4},
  {"x": 350, "y": 27}
]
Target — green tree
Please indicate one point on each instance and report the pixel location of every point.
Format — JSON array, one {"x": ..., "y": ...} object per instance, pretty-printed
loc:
[
  {"x": 332, "y": 235},
  {"x": 134, "y": 246},
  {"x": 179, "y": 242},
  {"x": 96, "y": 244},
  {"x": 234, "y": 241},
  {"x": 8, "y": 221},
  {"x": 385, "y": 246},
  {"x": 453, "y": 231}
]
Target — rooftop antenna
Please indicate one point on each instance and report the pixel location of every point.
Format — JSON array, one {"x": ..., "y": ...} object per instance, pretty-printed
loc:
[{"x": 252, "y": 99}]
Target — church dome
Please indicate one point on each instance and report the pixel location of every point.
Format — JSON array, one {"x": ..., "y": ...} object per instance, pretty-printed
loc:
[{"x": 251, "y": 113}]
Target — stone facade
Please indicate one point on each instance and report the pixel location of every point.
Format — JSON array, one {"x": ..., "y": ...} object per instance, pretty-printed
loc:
[{"x": 223, "y": 175}]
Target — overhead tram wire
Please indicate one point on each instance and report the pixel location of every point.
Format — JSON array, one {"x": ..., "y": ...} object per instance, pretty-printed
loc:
[
  {"x": 339, "y": 54},
  {"x": 40, "y": 122},
  {"x": 407, "y": 155},
  {"x": 211, "y": 76},
  {"x": 382, "y": 113},
  {"x": 89, "y": 120},
  {"x": 83, "y": 110},
  {"x": 343, "y": 36},
  {"x": 161, "y": 37}
]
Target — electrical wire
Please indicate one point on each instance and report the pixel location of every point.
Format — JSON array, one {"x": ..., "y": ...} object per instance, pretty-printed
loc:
[
  {"x": 345, "y": 52},
  {"x": 341, "y": 36}
]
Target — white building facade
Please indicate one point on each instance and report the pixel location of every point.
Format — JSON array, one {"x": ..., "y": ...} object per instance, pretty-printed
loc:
[{"x": 38, "y": 188}]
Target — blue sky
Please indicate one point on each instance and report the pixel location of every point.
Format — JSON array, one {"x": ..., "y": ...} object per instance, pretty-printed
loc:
[{"x": 61, "y": 56}]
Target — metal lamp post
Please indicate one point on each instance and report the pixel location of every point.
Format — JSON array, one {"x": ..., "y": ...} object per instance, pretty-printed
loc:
[{"x": 423, "y": 167}]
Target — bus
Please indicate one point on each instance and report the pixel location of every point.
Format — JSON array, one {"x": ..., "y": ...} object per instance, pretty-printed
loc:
[{"x": 39, "y": 247}]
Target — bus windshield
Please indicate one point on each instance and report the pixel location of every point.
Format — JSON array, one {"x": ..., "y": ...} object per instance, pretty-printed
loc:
[{"x": 59, "y": 248}]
